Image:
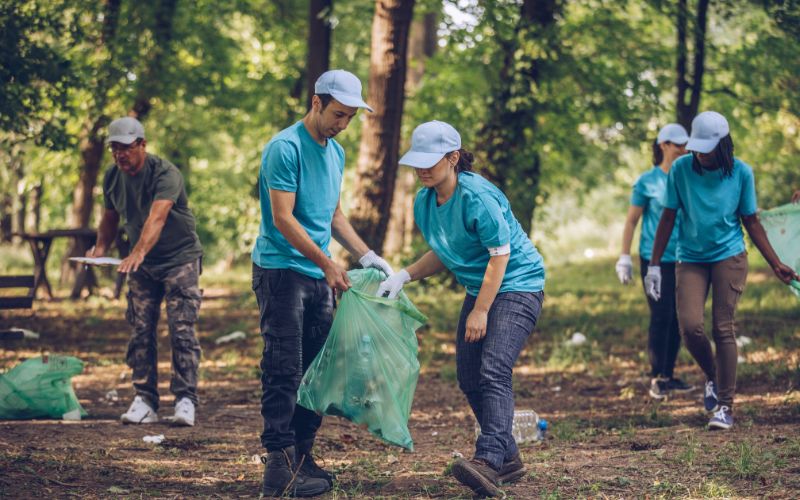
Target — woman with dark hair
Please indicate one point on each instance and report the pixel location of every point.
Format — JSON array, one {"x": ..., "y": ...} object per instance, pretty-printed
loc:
[
  {"x": 647, "y": 199},
  {"x": 715, "y": 193},
  {"x": 471, "y": 230}
]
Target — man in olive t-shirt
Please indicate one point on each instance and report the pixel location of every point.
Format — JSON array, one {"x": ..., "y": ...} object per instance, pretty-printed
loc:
[{"x": 148, "y": 194}]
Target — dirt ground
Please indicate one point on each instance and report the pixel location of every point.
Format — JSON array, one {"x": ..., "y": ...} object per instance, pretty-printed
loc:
[{"x": 607, "y": 439}]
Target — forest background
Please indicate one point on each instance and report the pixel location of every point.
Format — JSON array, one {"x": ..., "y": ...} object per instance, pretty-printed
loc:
[{"x": 560, "y": 101}]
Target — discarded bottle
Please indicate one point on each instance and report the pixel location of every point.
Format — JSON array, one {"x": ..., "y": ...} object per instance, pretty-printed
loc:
[
  {"x": 542, "y": 429},
  {"x": 526, "y": 428},
  {"x": 358, "y": 388}
]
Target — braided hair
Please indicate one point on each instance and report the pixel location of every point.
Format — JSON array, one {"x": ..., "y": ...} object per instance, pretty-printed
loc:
[{"x": 722, "y": 155}]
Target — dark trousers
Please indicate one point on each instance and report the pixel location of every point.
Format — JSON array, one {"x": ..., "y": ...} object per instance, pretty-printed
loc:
[
  {"x": 296, "y": 315},
  {"x": 146, "y": 290},
  {"x": 664, "y": 338},
  {"x": 484, "y": 369}
]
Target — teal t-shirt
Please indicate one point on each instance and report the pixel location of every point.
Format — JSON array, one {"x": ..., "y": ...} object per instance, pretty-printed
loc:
[
  {"x": 293, "y": 161},
  {"x": 648, "y": 193},
  {"x": 710, "y": 208},
  {"x": 478, "y": 217}
]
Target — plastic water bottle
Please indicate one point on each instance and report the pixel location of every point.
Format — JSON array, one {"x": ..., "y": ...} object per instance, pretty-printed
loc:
[
  {"x": 526, "y": 428},
  {"x": 358, "y": 384},
  {"x": 542, "y": 429}
]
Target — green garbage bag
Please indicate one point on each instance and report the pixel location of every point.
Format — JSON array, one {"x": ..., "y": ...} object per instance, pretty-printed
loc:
[
  {"x": 40, "y": 388},
  {"x": 367, "y": 370},
  {"x": 783, "y": 230}
]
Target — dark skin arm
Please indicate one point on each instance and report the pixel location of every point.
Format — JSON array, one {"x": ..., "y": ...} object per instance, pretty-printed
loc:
[
  {"x": 759, "y": 237},
  {"x": 665, "y": 226}
]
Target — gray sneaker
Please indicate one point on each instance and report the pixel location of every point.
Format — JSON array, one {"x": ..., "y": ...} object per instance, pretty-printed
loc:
[
  {"x": 710, "y": 396},
  {"x": 722, "y": 419}
]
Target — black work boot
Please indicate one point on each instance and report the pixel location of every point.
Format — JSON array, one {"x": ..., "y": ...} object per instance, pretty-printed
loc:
[
  {"x": 478, "y": 475},
  {"x": 308, "y": 466},
  {"x": 511, "y": 470},
  {"x": 281, "y": 477}
]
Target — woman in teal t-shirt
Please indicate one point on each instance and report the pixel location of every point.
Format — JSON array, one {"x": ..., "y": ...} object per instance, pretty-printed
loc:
[
  {"x": 716, "y": 195},
  {"x": 471, "y": 230},
  {"x": 647, "y": 199}
]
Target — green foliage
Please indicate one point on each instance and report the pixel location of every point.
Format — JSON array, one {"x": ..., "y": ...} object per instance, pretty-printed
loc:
[
  {"x": 571, "y": 118},
  {"x": 35, "y": 72}
]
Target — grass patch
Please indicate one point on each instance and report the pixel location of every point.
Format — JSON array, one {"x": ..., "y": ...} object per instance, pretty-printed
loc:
[{"x": 744, "y": 461}]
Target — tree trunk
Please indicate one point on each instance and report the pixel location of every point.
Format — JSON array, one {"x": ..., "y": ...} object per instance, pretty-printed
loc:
[
  {"x": 22, "y": 205},
  {"x": 36, "y": 207},
  {"x": 512, "y": 163},
  {"x": 149, "y": 86},
  {"x": 686, "y": 111},
  {"x": 6, "y": 208},
  {"x": 380, "y": 140},
  {"x": 400, "y": 233},
  {"x": 92, "y": 144},
  {"x": 319, "y": 43}
]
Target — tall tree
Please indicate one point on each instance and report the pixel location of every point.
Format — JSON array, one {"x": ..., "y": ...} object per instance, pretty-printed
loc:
[
  {"x": 690, "y": 84},
  {"x": 508, "y": 132},
  {"x": 92, "y": 142},
  {"x": 421, "y": 46},
  {"x": 376, "y": 172},
  {"x": 319, "y": 43}
]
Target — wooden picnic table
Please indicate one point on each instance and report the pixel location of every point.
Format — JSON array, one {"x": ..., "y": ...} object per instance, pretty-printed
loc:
[
  {"x": 40, "y": 244},
  {"x": 15, "y": 301}
]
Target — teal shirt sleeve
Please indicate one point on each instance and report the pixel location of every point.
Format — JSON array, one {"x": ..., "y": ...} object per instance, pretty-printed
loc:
[
  {"x": 671, "y": 198},
  {"x": 279, "y": 167},
  {"x": 639, "y": 196},
  {"x": 488, "y": 222},
  {"x": 747, "y": 201}
]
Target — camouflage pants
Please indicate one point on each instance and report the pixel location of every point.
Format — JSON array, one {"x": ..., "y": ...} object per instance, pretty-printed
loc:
[{"x": 146, "y": 290}]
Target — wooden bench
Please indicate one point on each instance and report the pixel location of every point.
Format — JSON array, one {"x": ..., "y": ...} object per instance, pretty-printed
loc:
[{"x": 16, "y": 301}]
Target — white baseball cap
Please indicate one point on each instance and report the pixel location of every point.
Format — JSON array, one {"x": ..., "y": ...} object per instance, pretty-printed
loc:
[
  {"x": 672, "y": 132},
  {"x": 125, "y": 130},
  {"x": 707, "y": 129},
  {"x": 429, "y": 143},
  {"x": 343, "y": 86}
]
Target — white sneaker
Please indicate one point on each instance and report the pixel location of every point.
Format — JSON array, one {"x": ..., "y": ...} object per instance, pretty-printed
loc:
[
  {"x": 184, "y": 413},
  {"x": 139, "y": 413}
]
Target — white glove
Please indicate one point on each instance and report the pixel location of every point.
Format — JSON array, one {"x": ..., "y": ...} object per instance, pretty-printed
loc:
[
  {"x": 371, "y": 259},
  {"x": 624, "y": 269},
  {"x": 652, "y": 282},
  {"x": 393, "y": 284}
]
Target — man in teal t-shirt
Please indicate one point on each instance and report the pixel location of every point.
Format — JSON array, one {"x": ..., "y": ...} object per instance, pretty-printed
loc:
[{"x": 294, "y": 277}]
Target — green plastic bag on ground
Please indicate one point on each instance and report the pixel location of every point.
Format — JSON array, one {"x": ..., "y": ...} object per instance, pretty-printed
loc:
[
  {"x": 41, "y": 389},
  {"x": 783, "y": 230},
  {"x": 367, "y": 370}
]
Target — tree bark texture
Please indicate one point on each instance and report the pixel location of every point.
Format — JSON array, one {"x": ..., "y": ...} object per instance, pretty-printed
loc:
[
  {"x": 380, "y": 139},
  {"x": 691, "y": 85},
  {"x": 400, "y": 232},
  {"x": 512, "y": 164},
  {"x": 319, "y": 43}
]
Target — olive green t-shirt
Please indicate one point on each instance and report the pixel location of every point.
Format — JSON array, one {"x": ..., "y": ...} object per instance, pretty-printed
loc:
[{"x": 132, "y": 196}]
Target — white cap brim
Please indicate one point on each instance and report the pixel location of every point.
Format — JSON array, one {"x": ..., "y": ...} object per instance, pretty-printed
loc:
[
  {"x": 122, "y": 139},
  {"x": 352, "y": 101},
  {"x": 701, "y": 145},
  {"x": 419, "y": 159},
  {"x": 681, "y": 139}
]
